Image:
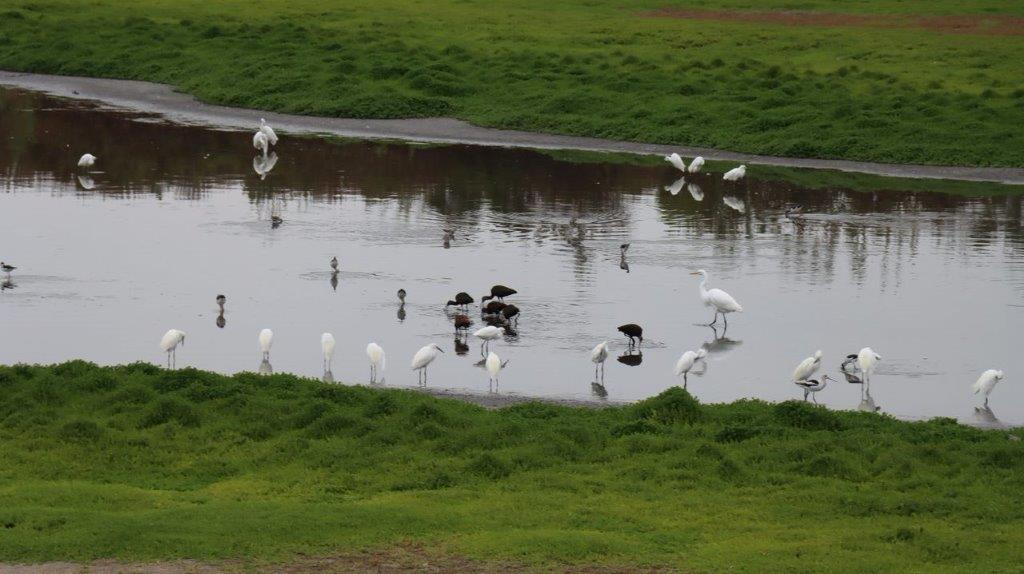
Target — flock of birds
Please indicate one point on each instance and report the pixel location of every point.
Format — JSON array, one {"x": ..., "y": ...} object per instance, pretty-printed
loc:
[{"x": 502, "y": 318}]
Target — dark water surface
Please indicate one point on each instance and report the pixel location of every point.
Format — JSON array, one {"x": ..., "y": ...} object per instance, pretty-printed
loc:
[{"x": 111, "y": 257}]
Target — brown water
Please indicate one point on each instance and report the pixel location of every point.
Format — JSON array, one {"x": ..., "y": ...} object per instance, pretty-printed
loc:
[{"x": 111, "y": 257}]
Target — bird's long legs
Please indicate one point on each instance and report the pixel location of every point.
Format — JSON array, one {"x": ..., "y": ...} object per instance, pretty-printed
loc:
[
  {"x": 684, "y": 380},
  {"x": 713, "y": 323}
]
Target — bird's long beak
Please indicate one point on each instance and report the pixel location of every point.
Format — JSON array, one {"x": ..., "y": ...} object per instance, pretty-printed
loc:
[
  {"x": 440, "y": 349},
  {"x": 694, "y": 273}
]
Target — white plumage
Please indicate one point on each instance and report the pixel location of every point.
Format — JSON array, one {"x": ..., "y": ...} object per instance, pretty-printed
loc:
[
  {"x": 676, "y": 186},
  {"x": 676, "y": 161},
  {"x": 986, "y": 382},
  {"x": 717, "y": 299},
  {"x": 598, "y": 355},
  {"x": 263, "y": 164},
  {"x": 695, "y": 192},
  {"x": 87, "y": 160},
  {"x": 327, "y": 345},
  {"x": 696, "y": 164},
  {"x": 377, "y": 360},
  {"x": 422, "y": 359},
  {"x": 266, "y": 340},
  {"x": 170, "y": 341},
  {"x": 260, "y": 142},
  {"x": 686, "y": 362},
  {"x": 493, "y": 365},
  {"x": 268, "y": 131},
  {"x": 807, "y": 367},
  {"x": 735, "y": 203},
  {"x": 867, "y": 360},
  {"x": 735, "y": 174}
]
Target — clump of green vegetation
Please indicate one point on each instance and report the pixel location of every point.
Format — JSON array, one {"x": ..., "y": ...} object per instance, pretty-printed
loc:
[
  {"x": 138, "y": 463},
  {"x": 899, "y": 88}
]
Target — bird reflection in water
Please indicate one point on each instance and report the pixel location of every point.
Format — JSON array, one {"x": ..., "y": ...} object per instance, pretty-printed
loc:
[
  {"x": 401, "y": 305},
  {"x": 328, "y": 376},
  {"x": 985, "y": 418},
  {"x": 263, "y": 165},
  {"x": 334, "y": 280},
  {"x": 632, "y": 357},
  {"x": 867, "y": 402},
  {"x": 695, "y": 192},
  {"x": 221, "y": 321},
  {"x": 676, "y": 186},
  {"x": 7, "y": 283},
  {"x": 598, "y": 391},
  {"x": 720, "y": 343},
  {"x": 86, "y": 182},
  {"x": 461, "y": 345},
  {"x": 265, "y": 367},
  {"x": 623, "y": 264}
]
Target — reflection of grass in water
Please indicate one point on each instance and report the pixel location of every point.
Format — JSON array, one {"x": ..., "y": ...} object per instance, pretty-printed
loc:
[
  {"x": 140, "y": 463},
  {"x": 597, "y": 68}
]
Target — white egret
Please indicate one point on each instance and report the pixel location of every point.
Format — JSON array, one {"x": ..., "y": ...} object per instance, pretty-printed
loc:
[
  {"x": 488, "y": 334},
  {"x": 812, "y": 386},
  {"x": 686, "y": 362},
  {"x": 735, "y": 203},
  {"x": 268, "y": 131},
  {"x": 807, "y": 367},
  {"x": 327, "y": 345},
  {"x": 598, "y": 356},
  {"x": 422, "y": 359},
  {"x": 735, "y": 174},
  {"x": 696, "y": 164},
  {"x": 676, "y": 186},
  {"x": 986, "y": 382},
  {"x": 867, "y": 360},
  {"x": 87, "y": 160},
  {"x": 719, "y": 300},
  {"x": 377, "y": 360},
  {"x": 169, "y": 344},
  {"x": 695, "y": 191},
  {"x": 266, "y": 340},
  {"x": 494, "y": 366},
  {"x": 676, "y": 161},
  {"x": 259, "y": 141}
]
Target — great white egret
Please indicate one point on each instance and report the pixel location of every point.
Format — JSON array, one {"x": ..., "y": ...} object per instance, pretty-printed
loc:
[
  {"x": 676, "y": 161},
  {"x": 268, "y": 131},
  {"x": 499, "y": 292},
  {"x": 696, "y": 164},
  {"x": 867, "y": 360},
  {"x": 377, "y": 360},
  {"x": 260, "y": 142},
  {"x": 807, "y": 367},
  {"x": 717, "y": 299},
  {"x": 633, "y": 331},
  {"x": 695, "y": 191},
  {"x": 686, "y": 362},
  {"x": 735, "y": 174},
  {"x": 422, "y": 359},
  {"x": 266, "y": 340},
  {"x": 327, "y": 345},
  {"x": 812, "y": 386},
  {"x": 462, "y": 299},
  {"x": 986, "y": 382},
  {"x": 169, "y": 344},
  {"x": 493, "y": 365},
  {"x": 488, "y": 334},
  {"x": 87, "y": 160},
  {"x": 598, "y": 355},
  {"x": 676, "y": 186}
]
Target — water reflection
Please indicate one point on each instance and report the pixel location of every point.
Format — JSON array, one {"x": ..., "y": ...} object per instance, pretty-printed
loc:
[
  {"x": 328, "y": 376},
  {"x": 676, "y": 186},
  {"x": 632, "y": 357},
  {"x": 598, "y": 390},
  {"x": 334, "y": 281},
  {"x": 867, "y": 403},
  {"x": 265, "y": 367},
  {"x": 984, "y": 417},
  {"x": 695, "y": 192},
  {"x": 263, "y": 165},
  {"x": 87, "y": 183}
]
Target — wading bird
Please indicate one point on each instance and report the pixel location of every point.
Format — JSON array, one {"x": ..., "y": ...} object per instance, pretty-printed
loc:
[
  {"x": 488, "y": 334},
  {"x": 735, "y": 174},
  {"x": 259, "y": 141},
  {"x": 687, "y": 361},
  {"x": 169, "y": 344},
  {"x": 499, "y": 292},
  {"x": 494, "y": 366},
  {"x": 7, "y": 268},
  {"x": 986, "y": 382},
  {"x": 422, "y": 359},
  {"x": 377, "y": 360},
  {"x": 867, "y": 360},
  {"x": 634, "y": 332},
  {"x": 492, "y": 308},
  {"x": 696, "y": 164},
  {"x": 221, "y": 300},
  {"x": 401, "y": 295},
  {"x": 462, "y": 299},
  {"x": 850, "y": 369},
  {"x": 598, "y": 356},
  {"x": 327, "y": 345},
  {"x": 811, "y": 387},
  {"x": 463, "y": 322},
  {"x": 676, "y": 161},
  {"x": 807, "y": 367},
  {"x": 334, "y": 264},
  {"x": 510, "y": 314},
  {"x": 266, "y": 341},
  {"x": 717, "y": 299},
  {"x": 87, "y": 160},
  {"x": 268, "y": 131}
]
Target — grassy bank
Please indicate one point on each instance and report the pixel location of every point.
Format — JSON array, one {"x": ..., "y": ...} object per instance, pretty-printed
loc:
[
  {"x": 139, "y": 463},
  {"x": 922, "y": 82}
]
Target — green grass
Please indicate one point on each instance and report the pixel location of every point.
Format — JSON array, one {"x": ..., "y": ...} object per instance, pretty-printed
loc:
[
  {"x": 139, "y": 463},
  {"x": 585, "y": 67}
]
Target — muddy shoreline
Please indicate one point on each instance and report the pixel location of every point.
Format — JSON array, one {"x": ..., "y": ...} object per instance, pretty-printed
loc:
[{"x": 162, "y": 100}]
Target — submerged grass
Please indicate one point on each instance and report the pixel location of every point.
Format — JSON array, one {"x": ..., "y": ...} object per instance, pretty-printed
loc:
[
  {"x": 140, "y": 463},
  {"x": 901, "y": 89}
]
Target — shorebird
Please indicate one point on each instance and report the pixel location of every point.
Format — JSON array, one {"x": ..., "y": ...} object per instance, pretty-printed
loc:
[
  {"x": 812, "y": 386},
  {"x": 721, "y": 301},
  {"x": 633, "y": 331}
]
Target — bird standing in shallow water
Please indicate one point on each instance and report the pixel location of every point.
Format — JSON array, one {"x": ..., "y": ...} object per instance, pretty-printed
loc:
[
  {"x": 499, "y": 292},
  {"x": 266, "y": 340},
  {"x": 327, "y": 345},
  {"x": 7, "y": 268},
  {"x": 463, "y": 322},
  {"x": 686, "y": 362},
  {"x": 735, "y": 174},
  {"x": 275, "y": 221},
  {"x": 462, "y": 299},
  {"x": 259, "y": 141},
  {"x": 867, "y": 360},
  {"x": 598, "y": 355},
  {"x": 169, "y": 344},
  {"x": 811, "y": 386},
  {"x": 494, "y": 366},
  {"x": 377, "y": 360},
  {"x": 268, "y": 132},
  {"x": 422, "y": 359},
  {"x": 633, "y": 331},
  {"x": 401, "y": 295},
  {"x": 488, "y": 334},
  {"x": 334, "y": 264},
  {"x": 87, "y": 160},
  {"x": 986, "y": 382},
  {"x": 807, "y": 367},
  {"x": 510, "y": 314},
  {"x": 721, "y": 301}
]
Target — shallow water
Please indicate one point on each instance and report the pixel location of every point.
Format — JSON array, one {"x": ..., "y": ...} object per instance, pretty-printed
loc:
[{"x": 111, "y": 257}]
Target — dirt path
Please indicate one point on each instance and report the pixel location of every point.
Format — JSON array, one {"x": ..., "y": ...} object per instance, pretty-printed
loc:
[{"x": 162, "y": 100}]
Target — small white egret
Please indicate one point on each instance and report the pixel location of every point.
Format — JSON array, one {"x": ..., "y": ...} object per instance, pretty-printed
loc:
[
  {"x": 676, "y": 161},
  {"x": 268, "y": 131},
  {"x": 807, "y": 367},
  {"x": 695, "y": 191},
  {"x": 686, "y": 362},
  {"x": 676, "y": 186},
  {"x": 598, "y": 356},
  {"x": 488, "y": 334},
  {"x": 867, "y": 360},
  {"x": 377, "y": 360},
  {"x": 259, "y": 141},
  {"x": 266, "y": 340},
  {"x": 494, "y": 366},
  {"x": 696, "y": 164},
  {"x": 735, "y": 174},
  {"x": 719, "y": 300},
  {"x": 422, "y": 359},
  {"x": 87, "y": 160},
  {"x": 735, "y": 203},
  {"x": 327, "y": 345},
  {"x": 986, "y": 382},
  {"x": 169, "y": 344},
  {"x": 812, "y": 386}
]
